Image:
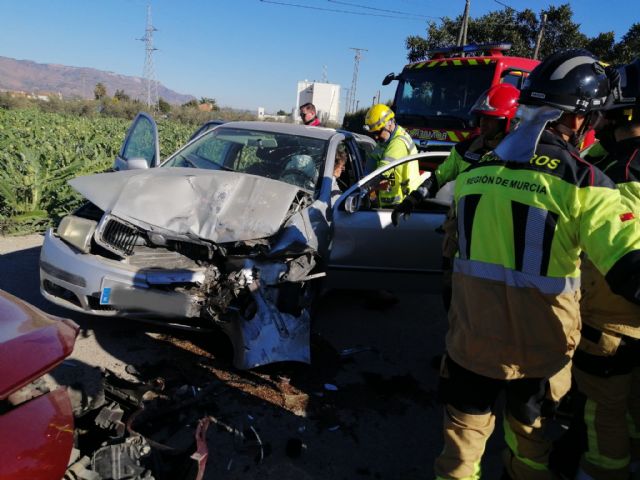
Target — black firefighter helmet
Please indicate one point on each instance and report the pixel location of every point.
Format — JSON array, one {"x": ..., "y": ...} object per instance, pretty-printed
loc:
[{"x": 573, "y": 81}]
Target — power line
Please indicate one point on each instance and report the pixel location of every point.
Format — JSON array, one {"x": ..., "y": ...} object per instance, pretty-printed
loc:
[
  {"x": 333, "y": 10},
  {"x": 504, "y": 5},
  {"x": 508, "y": 6},
  {"x": 381, "y": 9}
]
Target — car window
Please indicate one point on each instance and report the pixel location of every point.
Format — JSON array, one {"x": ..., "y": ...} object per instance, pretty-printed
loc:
[
  {"x": 365, "y": 150},
  {"x": 346, "y": 176},
  {"x": 140, "y": 143},
  {"x": 293, "y": 159},
  {"x": 367, "y": 191}
]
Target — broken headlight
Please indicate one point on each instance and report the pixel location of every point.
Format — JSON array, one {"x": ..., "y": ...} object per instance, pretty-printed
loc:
[{"x": 77, "y": 231}]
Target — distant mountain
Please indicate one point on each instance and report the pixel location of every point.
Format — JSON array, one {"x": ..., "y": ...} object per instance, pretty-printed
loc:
[{"x": 32, "y": 77}]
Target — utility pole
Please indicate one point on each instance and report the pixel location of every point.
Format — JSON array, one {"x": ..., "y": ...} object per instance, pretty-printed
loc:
[
  {"x": 540, "y": 34},
  {"x": 462, "y": 35},
  {"x": 466, "y": 24},
  {"x": 149, "y": 72},
  {"x": 351, "y": 100},
  {"x": 347, "y": 93}
]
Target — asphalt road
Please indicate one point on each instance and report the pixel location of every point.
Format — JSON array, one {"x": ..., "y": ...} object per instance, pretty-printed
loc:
[{"x": 365, "y": 408}]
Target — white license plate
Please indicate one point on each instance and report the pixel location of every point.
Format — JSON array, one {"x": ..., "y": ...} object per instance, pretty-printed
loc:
[{"x": 107, "y": 289}]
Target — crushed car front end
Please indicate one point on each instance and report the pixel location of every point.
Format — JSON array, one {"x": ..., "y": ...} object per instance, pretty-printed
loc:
[{"x": 241, "y": 258}]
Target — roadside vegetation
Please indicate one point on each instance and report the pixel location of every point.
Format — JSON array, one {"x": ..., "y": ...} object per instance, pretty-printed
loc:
[
  {"x": 45, "y": 143},
  {"x": 41, "y": 150}
]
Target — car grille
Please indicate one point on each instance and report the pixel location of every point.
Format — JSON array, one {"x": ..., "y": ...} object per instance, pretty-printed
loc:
[
  {"x": 117, "y": 236},
  {"x": 191, "y": 250}
]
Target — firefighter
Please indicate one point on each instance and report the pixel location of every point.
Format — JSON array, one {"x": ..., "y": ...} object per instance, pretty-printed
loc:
[
  {"x": 495, "y": 109},
  {"x": 525, "y": 212},
  {"x": 393, "y": 143},
  {"x": 607, "y": 363}
]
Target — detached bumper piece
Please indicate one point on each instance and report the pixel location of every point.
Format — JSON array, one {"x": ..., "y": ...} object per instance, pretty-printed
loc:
[{"x": 270, "y": 336}]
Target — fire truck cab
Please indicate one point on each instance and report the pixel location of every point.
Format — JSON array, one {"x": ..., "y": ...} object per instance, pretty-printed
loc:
[{"x": 434, "y": 96}]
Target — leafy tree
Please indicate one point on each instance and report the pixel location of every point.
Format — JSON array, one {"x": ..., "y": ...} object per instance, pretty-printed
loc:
[
  {"x": 190, "y": 104},
  {"x": 120, "y": 95},
  {"x": 628, "y": 48},
  {"x": 210, "y": 101},
  {"x": 163, "y": 105},
  {"x": 282, "y": 113},
  {"x": 560, "y": 32},
  {"x": 520, "y": 28},
  {"x": 100, "y": 91},
  {"x": 603, "y": 46}
]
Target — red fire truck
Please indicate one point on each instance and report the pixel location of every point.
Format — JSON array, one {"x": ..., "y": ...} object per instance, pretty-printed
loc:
[{"x": 434, "y": 96}]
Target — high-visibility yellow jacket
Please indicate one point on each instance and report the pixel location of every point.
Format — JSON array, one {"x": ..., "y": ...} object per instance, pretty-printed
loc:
[
  {"x": 462, "y": 155},
  {"x": 522, "y": 227},
  {"x": 600, "y": 307},
  {"x": 403, "y": 179}
]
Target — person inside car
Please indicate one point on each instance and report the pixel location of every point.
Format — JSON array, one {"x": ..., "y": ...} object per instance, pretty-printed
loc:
[{"x": 337, "y": 185}]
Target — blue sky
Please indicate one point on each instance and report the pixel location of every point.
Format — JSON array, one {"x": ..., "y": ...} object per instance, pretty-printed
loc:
[{"x": 250, "y": 53}]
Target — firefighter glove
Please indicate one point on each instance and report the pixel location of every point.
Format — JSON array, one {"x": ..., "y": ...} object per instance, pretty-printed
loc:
[{"x": 406, "y": 207}]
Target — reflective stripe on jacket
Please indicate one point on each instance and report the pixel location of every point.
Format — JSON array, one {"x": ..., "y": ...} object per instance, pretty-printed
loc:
[
  {"x": 403, "y": 179},
  {"x": 521, "y": 227}
]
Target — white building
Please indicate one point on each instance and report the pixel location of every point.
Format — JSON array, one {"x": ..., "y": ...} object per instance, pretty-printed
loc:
[
  {"x": 265, "y": 116},
  {"x": 325, "y": 96}
]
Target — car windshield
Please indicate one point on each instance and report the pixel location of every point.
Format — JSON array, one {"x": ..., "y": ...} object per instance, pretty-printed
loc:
[
  {"x": 293, "y": 159},
  {"x": 441, "y": 97}
]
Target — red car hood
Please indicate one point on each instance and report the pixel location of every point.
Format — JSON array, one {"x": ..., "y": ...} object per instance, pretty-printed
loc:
[{"x": 31, "y": 342}]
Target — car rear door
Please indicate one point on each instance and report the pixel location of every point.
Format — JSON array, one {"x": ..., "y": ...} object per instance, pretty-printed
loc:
[
  {"x": 141, "y": 147},
  {"x": 368, "y": 252}
]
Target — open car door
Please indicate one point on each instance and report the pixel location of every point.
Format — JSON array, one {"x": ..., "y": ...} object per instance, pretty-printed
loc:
[
  {"x": 141, "y": 148},
  {"x": 368, "y": 252},
  {"x": 205, "y": 127}
]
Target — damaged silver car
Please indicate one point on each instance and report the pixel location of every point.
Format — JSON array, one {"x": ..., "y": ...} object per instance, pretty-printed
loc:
[{"x": 236, "y": 228}]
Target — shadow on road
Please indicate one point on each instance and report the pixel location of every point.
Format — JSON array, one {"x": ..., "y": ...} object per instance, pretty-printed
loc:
[{"x": 364, "y": 408}]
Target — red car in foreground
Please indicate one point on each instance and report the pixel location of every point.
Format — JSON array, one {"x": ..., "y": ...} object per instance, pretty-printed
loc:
[{"x": 36, "y": 425}]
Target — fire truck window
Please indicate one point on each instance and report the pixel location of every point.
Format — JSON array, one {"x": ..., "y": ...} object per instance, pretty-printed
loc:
[
  {"x": 515, "y": 80},
  {"x": 442, "y": 91}
]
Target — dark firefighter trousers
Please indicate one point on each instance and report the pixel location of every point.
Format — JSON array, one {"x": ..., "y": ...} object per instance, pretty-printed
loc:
[
  {"x": 469, "y": 420},
  {"x": 611, "y": 383}
]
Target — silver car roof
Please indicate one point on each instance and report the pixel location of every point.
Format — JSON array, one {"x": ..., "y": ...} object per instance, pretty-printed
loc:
[{"x": 321, "y": 133}]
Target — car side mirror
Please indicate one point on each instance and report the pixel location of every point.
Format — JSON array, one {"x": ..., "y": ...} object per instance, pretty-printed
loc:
[
  {"x": 389, "y": 78},
  {"x": 352, "y": 202},
  {"x": 137, "y": 163}
]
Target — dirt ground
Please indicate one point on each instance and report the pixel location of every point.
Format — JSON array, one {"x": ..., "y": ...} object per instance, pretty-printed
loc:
[{"x": 365, "y": 407}]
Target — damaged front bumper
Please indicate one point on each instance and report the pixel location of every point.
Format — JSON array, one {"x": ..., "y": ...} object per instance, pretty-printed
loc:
[
  {"x": 270, "y": 335},
  {"x": 263, "y": 306},
  {"x": 78, "y": 281}
]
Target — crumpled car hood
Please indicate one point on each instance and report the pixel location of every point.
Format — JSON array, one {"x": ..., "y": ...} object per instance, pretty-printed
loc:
[{"x": 215, "y": 205}]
